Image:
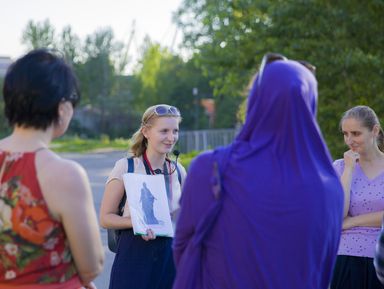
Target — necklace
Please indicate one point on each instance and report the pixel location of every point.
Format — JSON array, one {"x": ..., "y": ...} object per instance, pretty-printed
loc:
[
  {"x": 167, "y": 175},
  {"x": 165, "y": 171},
  {"x": 153, "y": 172}
]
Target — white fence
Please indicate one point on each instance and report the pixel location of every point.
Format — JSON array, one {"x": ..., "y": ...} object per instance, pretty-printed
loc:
[{"x": 198, "y": 140}]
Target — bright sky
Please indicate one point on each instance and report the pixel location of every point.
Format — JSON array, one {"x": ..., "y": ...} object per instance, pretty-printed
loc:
[{"x": 152, "y": 17}]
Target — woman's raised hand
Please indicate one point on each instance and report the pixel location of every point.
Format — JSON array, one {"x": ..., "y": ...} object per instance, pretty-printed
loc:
[{"x": 350, "y": 158}]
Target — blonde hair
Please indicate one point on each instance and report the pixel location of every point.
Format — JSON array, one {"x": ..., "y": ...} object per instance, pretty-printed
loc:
[{"x": 138, "y": 140}]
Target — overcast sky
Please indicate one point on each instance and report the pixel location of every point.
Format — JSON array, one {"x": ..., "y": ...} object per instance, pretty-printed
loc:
[{"x": 152, "y": 17}]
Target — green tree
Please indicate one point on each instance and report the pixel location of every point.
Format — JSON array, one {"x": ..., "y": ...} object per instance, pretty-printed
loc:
[
  {"x": 97, "y": 73},
  {"x": 162, "y": 77},
  {"x": 39, "y": 35},
  {"x": 177, "y": 80},
  {"x": 343, "y": 39},
  {"x": 4, "y": 128},
  {"x": 146, "y": 72},
  {"x": 98, "y": 62},
  {"x": 224, "y": 33},
  {"x": 70, "y": 45}
]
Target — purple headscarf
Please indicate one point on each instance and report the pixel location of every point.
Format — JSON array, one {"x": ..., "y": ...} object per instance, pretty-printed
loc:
[{"x": 278, "y": 222}]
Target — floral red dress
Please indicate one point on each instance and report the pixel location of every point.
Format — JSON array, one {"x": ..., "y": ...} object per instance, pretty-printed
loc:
[{"x": 33, "y": 245}]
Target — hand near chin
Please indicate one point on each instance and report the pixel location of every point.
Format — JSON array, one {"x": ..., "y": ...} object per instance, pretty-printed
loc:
[{"x": 351, "y": 158}]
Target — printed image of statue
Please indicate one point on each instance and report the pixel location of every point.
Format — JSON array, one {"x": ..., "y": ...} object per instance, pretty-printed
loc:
[{"x": 147, "y": 199}]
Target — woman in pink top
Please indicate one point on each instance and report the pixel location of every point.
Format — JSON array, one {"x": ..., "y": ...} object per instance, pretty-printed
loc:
[
  {"x": 49, "y": 236},
  {"x": 362, "y": 176}
]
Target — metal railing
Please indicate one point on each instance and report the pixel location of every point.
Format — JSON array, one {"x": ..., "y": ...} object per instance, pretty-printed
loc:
[{"x": 198, "y": 140}]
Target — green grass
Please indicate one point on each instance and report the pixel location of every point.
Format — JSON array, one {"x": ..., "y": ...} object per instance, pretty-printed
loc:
[
  {"x": 104, "y": 143},
  {"x": 185, "y": 159},
  {"x": 81, "y": 145}
]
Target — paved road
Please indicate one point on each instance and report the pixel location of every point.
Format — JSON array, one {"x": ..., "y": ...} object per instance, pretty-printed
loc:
[{"x": 98, "y": 166}]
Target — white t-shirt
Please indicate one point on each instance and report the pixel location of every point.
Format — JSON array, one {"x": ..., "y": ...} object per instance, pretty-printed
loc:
[{"x": 121, "y": 167}]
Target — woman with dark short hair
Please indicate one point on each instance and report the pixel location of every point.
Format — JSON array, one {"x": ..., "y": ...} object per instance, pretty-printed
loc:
[{"x": 49, "y": 236}]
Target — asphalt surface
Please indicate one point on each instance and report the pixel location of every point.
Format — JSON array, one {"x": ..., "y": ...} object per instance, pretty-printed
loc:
[{"x": 98, "y": 167}]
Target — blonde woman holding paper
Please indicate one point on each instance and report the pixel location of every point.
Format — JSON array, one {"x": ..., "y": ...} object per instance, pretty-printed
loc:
[{"x": 145, "y": 261}]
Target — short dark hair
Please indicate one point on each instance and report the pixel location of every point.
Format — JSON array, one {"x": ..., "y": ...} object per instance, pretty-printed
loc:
[{"x": 34, "y": 86}]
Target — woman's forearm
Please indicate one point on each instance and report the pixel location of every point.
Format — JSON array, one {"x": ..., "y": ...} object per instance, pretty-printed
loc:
[
  {"x": 346, "y": 180},
  {"x": 113, "y": 221},
  {"x": 365, "y": 220}
]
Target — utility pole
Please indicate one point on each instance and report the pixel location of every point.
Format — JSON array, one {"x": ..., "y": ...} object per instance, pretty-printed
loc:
[
  {"x": 195, "y": 93},
  {"x": 173, "y": 41},
  {"x": 125, "y": 56}
]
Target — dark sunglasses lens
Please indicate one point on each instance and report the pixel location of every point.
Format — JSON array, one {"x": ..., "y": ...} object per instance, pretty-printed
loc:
[
  {"x": 161, "y": 110},
  {"x": 271, "y": 57},
  {"x": 174, "y": 110},
  {"x": 308, "y": 65}
]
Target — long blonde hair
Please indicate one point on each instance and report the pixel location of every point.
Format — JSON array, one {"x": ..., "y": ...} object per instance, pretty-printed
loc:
[{"x": 139, "y": 141}]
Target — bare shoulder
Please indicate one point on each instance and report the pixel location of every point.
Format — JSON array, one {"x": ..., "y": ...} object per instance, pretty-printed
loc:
[
  {"x": 52, "y": 166},
  {"x": 63, "y": 182}
]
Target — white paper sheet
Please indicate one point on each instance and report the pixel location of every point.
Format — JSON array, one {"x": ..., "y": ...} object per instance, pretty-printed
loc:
[{"x": 148, "y": 204}]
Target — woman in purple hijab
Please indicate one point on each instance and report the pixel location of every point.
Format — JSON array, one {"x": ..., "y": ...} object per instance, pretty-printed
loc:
[{"x": 266, "y": 211}]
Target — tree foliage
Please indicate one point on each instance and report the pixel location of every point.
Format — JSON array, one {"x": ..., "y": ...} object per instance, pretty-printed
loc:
[
  {"x": 162, "y": 77},
  {"x": 342, "y": 38},
  {"x": 69, "y": 44},
  {"x": 98, "y": 62},
  {"x": 40, "y": 34},
  {"x": 4, "y": 129}
]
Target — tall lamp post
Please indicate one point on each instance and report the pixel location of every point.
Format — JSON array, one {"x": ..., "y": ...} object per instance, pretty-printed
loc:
[{"x": 195, "y": 92}]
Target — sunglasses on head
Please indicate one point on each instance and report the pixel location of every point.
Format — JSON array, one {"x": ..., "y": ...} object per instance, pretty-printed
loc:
[
  {"x": 161, "y": 110},
  {"x": 271, "y": 57}
]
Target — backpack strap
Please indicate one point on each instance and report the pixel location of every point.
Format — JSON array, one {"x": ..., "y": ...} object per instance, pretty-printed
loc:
[
  {"x": 146, "y": 166},
  {"x": 131, "y": 165},
  {"x": 178, "y": 171},
  {"x": 131, "y": 169}
]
